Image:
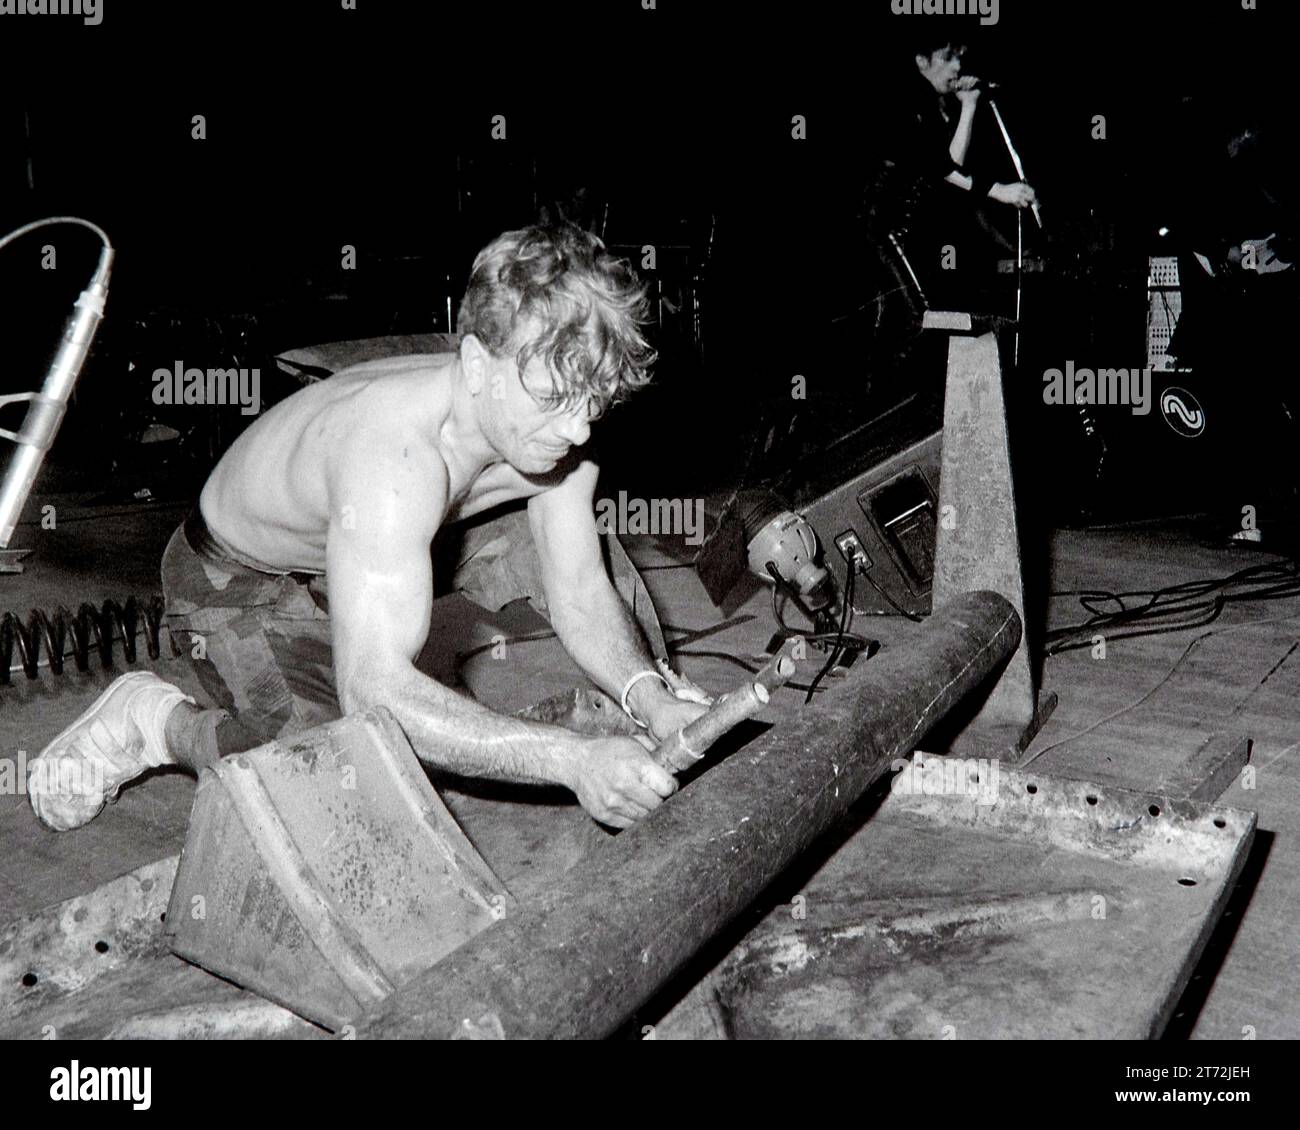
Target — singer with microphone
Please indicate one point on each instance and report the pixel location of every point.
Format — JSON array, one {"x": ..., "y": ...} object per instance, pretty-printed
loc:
[{"x": 921, "y": 207}]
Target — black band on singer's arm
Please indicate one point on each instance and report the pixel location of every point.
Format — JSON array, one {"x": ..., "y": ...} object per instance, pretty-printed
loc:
[{"x": 979, "y": 185}]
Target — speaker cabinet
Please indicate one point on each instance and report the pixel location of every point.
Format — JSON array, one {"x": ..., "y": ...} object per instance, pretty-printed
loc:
[{"x": 881, "y": 484}]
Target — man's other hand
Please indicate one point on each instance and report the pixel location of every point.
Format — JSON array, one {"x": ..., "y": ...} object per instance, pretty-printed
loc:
[
  {"x": 1018, "y": 195},
  {"x": 671, "y": 716},
  {"x": 618, "y": 783}
]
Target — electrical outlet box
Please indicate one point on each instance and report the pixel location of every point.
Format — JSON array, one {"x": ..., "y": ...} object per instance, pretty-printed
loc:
[{"x": 851, "y": 547}]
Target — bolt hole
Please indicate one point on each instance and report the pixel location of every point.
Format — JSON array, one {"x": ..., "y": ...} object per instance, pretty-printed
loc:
[
  {"x": 162, "y": 917},
  {"x": 1220, "y": 822},
  {"x": 1187, "y": 882},
  {"x": 1091, "y": 799},
  {"x": 101, "y": 946},
  {"x": 29, "y": 979},
  {"x": 1031, "y": 789},
  {"x": 1154, "y": 810}
]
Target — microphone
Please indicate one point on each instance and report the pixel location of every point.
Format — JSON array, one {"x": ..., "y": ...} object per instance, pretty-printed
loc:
[
  {"x": 46, "y": 409},
  {"x": 974, "y": 82}
]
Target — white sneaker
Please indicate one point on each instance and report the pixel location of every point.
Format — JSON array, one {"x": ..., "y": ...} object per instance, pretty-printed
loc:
[{"x": 117, "y": 739}]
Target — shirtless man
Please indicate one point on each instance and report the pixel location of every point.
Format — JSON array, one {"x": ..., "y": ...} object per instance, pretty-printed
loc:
[{"x": 348, "y": 480}]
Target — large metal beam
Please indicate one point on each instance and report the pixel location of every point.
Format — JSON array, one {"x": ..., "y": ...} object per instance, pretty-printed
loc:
[
  {"x": 578, "y": 962},
  {"x": 980, "y": 546}
]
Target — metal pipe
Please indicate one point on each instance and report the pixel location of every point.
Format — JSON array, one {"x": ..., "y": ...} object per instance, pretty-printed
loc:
[
  {"x": 689, "y": 744},
  {"x": 578, "y": 961},
  {"x": 45, "y": 408}
]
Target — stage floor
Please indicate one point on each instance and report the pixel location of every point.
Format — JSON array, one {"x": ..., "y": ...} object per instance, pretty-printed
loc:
[{"x": 1124, "y": 719}]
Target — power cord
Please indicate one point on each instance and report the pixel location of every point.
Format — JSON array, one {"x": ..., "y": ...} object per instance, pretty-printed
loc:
[
  {"x": 752, "y": 668},
  {"x": 1168, "y": 675},
  {"x": 889, "y": 599},
  {"x": 1173, "y": 608},
  {"x": 817, "y": 636},
  {"x": 844, "y": 624}
]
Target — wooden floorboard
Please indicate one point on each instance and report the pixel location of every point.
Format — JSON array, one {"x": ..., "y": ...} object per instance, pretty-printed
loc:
[
  {"x": 1242, "y": 678},
  {"x": 1244, "y": 681}
]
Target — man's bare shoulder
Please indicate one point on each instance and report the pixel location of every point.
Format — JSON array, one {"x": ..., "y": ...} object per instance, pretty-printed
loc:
[
  {"x": 392, "y": 486},
  {"x": 383, "y": 452}
]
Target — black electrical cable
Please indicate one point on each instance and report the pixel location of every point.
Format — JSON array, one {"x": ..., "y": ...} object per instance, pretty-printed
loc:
[
  {"x": 889, "y": 599},
  {"x": 849, "y": 640},
  {"x": 1163, "y": 681},
  {"x": 1173, "y": 608},
  {"x": 776, "y": 608},
  {"x": 753, "y": 669},
  {"x": 844, "y": 625},
  {"x": 779, "y": 582},
  {"x": 529, "y": 637},
  {"x": 690, "y": 635}
]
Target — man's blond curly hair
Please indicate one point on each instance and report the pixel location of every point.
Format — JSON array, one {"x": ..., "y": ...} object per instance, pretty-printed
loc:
[{"x": 554, "y": 292}]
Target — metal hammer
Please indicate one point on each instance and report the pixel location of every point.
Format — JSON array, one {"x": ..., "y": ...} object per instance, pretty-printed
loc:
[{"x": 689, "y": 744}]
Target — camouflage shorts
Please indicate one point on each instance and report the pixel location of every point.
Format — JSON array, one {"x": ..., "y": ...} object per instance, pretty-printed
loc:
[{"x": 261, "y": 641}]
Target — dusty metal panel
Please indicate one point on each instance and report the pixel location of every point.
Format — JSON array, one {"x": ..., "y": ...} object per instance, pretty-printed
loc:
[
  {"x": 322, "y": 870},
  {"x": 1025, "y": 907},
  {"x": 98, "y": 966},
  {"x": 942, "y": 915}
]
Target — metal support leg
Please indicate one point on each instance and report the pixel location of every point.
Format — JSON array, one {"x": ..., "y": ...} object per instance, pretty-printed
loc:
[{"x": 978, "y": 542}]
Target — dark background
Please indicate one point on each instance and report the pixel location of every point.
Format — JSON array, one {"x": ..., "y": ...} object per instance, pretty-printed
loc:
[{"x": 372, "y": 128}]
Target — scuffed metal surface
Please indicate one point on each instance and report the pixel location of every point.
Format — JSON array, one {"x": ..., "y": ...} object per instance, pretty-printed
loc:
[
  {"x": 581, "y": 958},
  {"x": 326, "y": 870},
  {"x": 60, "y": 951},
  {"x": 98, "y": 966},
  {"x": 978, "y": 542},
  {"x": 1031, "y": 907}
]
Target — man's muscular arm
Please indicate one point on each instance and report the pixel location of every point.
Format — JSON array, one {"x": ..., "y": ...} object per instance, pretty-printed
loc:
[
  {"x": 385, "y": 511},
  {"x": 591, "y": 619}
]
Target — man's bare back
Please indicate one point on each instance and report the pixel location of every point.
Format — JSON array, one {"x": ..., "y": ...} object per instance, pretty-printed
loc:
[{"x": 271, "y": 495}]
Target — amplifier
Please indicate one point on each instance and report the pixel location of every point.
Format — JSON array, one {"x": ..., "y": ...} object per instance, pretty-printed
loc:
[{"x": 880, "y": 484}]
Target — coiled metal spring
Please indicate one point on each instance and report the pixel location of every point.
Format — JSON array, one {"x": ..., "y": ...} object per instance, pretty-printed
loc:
[{"x": 91, "y": 630}]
